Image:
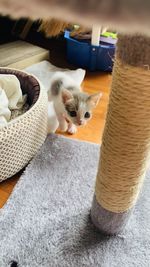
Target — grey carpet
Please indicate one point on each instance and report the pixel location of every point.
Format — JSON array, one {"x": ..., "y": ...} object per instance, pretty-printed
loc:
[{"x": 46, "y": 221}]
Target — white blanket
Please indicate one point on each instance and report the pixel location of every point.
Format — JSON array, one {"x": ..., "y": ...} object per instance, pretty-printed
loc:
[
  {"x": 44, "y": 71},
  {"x": 11, "y": 98}
]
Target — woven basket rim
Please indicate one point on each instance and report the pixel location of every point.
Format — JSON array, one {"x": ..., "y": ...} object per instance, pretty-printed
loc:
[{"x": 24, "y": 115}]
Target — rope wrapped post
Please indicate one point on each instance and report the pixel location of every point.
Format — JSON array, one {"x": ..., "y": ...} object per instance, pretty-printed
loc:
[{"x": 126, "y": 139}]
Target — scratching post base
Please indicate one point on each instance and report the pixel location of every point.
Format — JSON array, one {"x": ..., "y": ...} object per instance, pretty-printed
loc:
[{"x": 108, "y": 222}]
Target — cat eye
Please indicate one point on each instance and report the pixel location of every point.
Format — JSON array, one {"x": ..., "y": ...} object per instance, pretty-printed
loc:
[
  {"x": 87, "y": 115},
  {"x": 73, "y": 113}
]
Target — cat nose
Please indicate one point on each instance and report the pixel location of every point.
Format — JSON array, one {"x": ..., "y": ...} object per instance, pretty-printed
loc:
[{"x": 80, "y": 122}]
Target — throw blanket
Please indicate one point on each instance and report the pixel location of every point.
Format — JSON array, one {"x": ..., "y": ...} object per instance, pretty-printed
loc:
[
  {"x": 123, "y": 15},
  {"x": 11, "y": 99}
]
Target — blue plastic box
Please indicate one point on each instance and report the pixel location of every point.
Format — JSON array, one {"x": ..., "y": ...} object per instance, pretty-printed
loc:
[{"x": 85, "y": 55}]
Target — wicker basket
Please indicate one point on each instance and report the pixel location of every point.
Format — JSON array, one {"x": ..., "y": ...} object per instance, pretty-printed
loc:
[{"x": 23, "y": 136}]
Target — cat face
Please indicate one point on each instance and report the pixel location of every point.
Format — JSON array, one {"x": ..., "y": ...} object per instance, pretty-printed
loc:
[{"x": 79, "y": 106}]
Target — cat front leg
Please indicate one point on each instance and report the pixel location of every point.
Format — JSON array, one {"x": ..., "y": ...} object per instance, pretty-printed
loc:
[
  {"x": 63, "y": 125},
  {"x": 72, "y": 129}
]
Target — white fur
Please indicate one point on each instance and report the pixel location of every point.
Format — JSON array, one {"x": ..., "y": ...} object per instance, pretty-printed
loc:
[
  {"x": 57, "y": 100},
  {"x": 72, "y": 129},
  {"x": 66, "y": 122}
]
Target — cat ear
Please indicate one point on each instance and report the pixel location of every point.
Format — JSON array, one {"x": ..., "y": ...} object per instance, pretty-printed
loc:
[
  {"x": 94, "y": 99},
  {"x": 56, "y": 86},
  {"x": 66, "y": 95}
]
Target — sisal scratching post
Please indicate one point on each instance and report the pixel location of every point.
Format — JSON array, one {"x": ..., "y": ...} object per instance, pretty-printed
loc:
[{"x": 126, "y": 139}]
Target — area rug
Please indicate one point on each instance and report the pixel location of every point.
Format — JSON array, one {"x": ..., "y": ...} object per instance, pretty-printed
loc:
[{"x": 46, "y": 222}]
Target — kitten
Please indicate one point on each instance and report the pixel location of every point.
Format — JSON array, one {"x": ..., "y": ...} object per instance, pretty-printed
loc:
[{"x": 72, "y": 106}]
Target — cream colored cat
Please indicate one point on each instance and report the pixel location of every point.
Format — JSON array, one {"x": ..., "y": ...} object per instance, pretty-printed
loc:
[{"x": 72, "y": 106}]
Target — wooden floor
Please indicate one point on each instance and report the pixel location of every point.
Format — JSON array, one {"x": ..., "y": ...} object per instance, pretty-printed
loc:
[{"x": 92, "y": 132}]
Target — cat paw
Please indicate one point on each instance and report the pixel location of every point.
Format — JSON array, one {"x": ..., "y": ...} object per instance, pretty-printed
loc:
[
  {"x": 72, "y": 129},
  {"x": 63, "y": 127}
]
